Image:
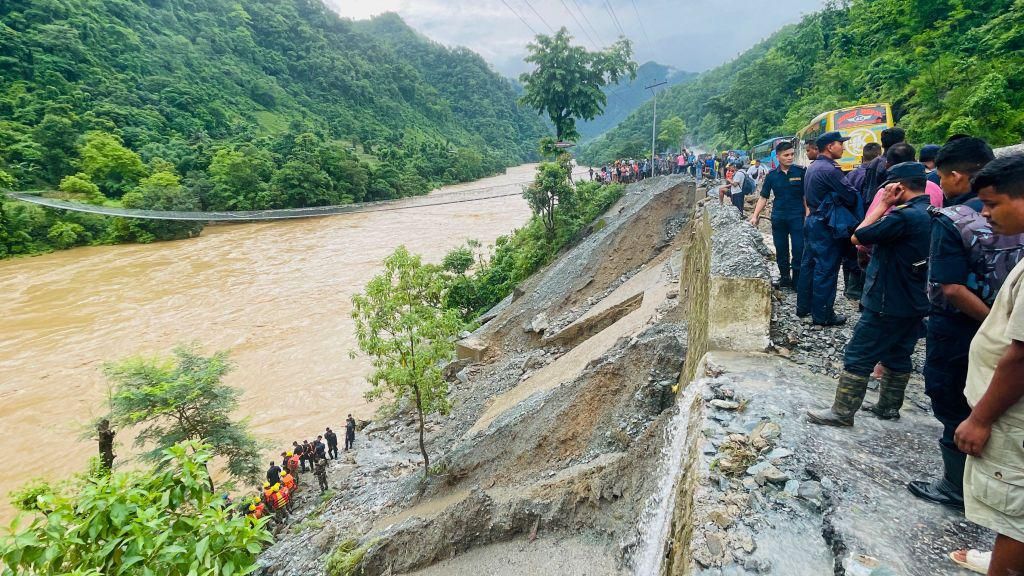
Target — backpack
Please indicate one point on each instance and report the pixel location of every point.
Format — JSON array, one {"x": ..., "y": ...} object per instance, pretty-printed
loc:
[
  {"x": 991, "y": 256},
  {"x": 748, "y": 184}
]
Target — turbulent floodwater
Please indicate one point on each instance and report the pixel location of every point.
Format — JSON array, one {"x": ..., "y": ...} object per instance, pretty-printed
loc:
[{"x": 277, "y": 295}]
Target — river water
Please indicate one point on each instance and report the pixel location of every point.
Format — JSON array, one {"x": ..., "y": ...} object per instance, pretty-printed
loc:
[{"x": 277, "y": 295}]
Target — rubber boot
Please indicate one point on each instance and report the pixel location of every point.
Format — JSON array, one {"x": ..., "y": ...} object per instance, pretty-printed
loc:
[
  {"x": 849, "y": 396},
  {"x": 948, "y": 490},
  {"x": 891, "y": 391}
]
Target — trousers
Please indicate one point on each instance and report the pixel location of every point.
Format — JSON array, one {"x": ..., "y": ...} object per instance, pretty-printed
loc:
[
  {"x": 881, "y": 338},
  {"x": 787, "y": 231},
  {"x": 947, "y": 345},
  {"x": 819, "y": 271}
]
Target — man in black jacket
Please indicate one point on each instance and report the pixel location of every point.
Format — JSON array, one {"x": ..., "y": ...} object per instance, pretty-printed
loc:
[{"x": 332, "y": 443}]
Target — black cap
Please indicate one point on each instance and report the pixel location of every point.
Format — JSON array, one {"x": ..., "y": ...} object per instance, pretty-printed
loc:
[
  {"x": 828, "y": 138},
  {"x": 906, "y": 171},
  {"x": 929, "y": 152}
]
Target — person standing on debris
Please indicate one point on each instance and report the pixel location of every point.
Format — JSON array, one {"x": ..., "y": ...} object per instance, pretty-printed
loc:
[
  {"x": 350, "y": 432},
  {"x": 273, "y": 473},
  {"x": 332, "y": 443},
  {"x": 826, "y": 193},
  {"x": 993, "y": 435},
  {"x": 735, "y": 187},
  {"x": 894, "y": 302},
  {"x": 787, "y": 183},
  {"x": 960, "y": 291}
]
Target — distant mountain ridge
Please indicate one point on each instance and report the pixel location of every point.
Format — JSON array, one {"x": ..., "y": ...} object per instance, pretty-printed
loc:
[{"x": 626, "y": 97}]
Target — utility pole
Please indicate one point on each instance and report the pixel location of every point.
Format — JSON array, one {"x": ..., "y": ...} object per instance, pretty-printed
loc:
[{"x": 654, "y": 123}]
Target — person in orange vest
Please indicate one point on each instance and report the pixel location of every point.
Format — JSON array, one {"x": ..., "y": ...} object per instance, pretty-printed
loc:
[
  {"x": 290, "y": 463},
  {"x": 256, "y": 510},
  {"x": 288, "y": 481}
]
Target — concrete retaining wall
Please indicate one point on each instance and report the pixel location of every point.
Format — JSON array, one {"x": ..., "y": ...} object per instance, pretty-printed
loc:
[{"x": 726, "y": 285}]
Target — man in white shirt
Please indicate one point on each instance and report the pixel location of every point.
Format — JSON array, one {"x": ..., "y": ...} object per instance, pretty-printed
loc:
[
  {"x": 993, "y": 435},
  {"x": 734, "y": 177}
]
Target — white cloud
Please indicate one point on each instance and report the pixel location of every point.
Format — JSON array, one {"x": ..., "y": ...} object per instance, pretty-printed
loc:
[{"x": 688, "y": 34}]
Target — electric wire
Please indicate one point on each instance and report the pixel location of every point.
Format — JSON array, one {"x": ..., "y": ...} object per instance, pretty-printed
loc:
[
  {"x": 521, "y": 19},
  {"x": 580, "y": 24},
  {"x": 534, "y": 10}
]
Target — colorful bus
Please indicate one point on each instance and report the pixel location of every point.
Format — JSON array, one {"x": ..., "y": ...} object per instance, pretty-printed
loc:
[
  {"x": 765, "y": 151},
  {"x": 862, "y": 124}
]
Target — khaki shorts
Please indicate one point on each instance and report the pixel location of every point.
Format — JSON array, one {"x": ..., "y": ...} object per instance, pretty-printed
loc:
[{"x": 994, "y": 483}]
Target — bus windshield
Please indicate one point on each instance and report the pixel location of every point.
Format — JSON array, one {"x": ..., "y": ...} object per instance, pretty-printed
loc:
[{"x": 859, "y": 116}]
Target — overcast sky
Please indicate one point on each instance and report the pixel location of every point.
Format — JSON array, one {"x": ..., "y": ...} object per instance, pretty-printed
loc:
[{"x": 691, "y": 35}]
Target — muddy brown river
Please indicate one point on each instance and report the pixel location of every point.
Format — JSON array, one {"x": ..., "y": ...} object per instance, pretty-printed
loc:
[{"x": 277, "y": 295}]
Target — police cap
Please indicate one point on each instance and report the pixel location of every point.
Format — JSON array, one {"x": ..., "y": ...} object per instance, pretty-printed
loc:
[{"x": 828, "y": 138}]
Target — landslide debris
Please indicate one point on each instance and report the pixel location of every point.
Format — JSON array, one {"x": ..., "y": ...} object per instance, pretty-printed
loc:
[{"x": 557, "y": 425}]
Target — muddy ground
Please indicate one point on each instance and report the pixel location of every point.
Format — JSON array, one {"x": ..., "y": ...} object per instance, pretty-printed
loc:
[{"x": 552, "y": 446}]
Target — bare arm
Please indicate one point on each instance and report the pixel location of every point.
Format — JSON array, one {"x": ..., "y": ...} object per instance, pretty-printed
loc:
[
  {"x": 1006, "y": 389},
  {"x": 761, "y": 203},
  {"x": 966, "y": 301}
]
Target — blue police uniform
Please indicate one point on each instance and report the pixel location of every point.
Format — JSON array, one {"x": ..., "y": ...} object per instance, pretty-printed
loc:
[
  {"x": 895, "y": 296},
  {"x": 823, "y": 253},
  {"x": 950, "y": 331},
  {"x": 787, "y": 218}
]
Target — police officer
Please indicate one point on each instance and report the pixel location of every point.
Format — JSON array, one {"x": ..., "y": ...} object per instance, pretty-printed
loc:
[
  {"x": 824, "y": 186},
  {"x": 956, "y": 313},
  {"x": 787, "y": 182},
  {"x": 894, "y": 301}
]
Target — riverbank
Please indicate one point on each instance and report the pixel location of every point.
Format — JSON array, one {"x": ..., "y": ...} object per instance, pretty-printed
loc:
[{"x": 277, "y": 295}]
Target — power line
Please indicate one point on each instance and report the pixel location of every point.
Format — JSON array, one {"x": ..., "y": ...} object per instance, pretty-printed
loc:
[
  {"x": 641, "y": 21},
  {"x": 580, "y": 24},
  {"x": 534, "y": 10},
  {"x": 586, "y": 19},
  {"x": 615, "y": 19},
  {"x": 521, "y": 19}
]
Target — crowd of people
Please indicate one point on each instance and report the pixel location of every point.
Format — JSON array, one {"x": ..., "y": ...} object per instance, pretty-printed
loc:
[
  {"x": 275, "y": 497},
  {"x": 627, "y": 171},
  {"x": 930, "y": 244}
]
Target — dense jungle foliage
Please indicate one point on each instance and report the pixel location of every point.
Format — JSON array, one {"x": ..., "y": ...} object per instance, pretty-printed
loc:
[
  {"x": 226, "y": 105},
  {"x": 947, "y": 66}
]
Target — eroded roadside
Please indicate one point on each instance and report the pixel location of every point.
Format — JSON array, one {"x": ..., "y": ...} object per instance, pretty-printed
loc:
[{"x": 560, "y": 405}]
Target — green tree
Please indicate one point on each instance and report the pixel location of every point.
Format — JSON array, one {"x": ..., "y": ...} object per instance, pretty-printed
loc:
[
  {"x": 80, "y": 186},
  {"x": 67, "y": 234},
  {"x": 57, "y": 139},
  {"x": 403, "y": 325},
  {"x": 180, "y": 399},
  {"x": 567, "y": 83},
  {"x": 672, "y": 132},
  {"x": 161, "y": 191},
  {"x": 161, "y": 521},
  {"x": 107, "y": 162},
  {"x": 241, "y": 179},
  {"x": 550, "y": 189}
]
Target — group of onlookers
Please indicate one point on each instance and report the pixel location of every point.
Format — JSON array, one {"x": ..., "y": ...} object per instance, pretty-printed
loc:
[{"x": 930, "y": 244}]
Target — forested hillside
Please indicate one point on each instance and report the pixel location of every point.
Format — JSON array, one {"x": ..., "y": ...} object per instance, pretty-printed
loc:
[
  {"x": 626, "y": 97},
  {"x": 947, "y": 66},
  {"x": 221, "y": 104}
]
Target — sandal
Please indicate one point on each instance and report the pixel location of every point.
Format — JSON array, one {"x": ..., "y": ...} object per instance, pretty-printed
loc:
[{"x": 973, "y": 560}]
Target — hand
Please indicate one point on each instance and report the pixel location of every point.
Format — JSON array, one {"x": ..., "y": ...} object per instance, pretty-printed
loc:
[
  {"x": 971, "y": 436},
  {"x": 753, "y": 221},
  {"x": 890, "y": 194}
]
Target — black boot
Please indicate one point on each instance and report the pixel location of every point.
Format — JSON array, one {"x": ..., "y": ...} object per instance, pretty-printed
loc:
[
  {"x": 948, "y": 490},
  {"x": 785, "y": 280}
]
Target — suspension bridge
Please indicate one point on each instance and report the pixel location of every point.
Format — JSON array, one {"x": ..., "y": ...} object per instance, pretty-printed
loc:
[{"x": 455, "y": 197}]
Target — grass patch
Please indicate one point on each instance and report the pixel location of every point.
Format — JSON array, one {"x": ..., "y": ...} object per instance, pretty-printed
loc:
[{"x": 347, "y": 557}]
